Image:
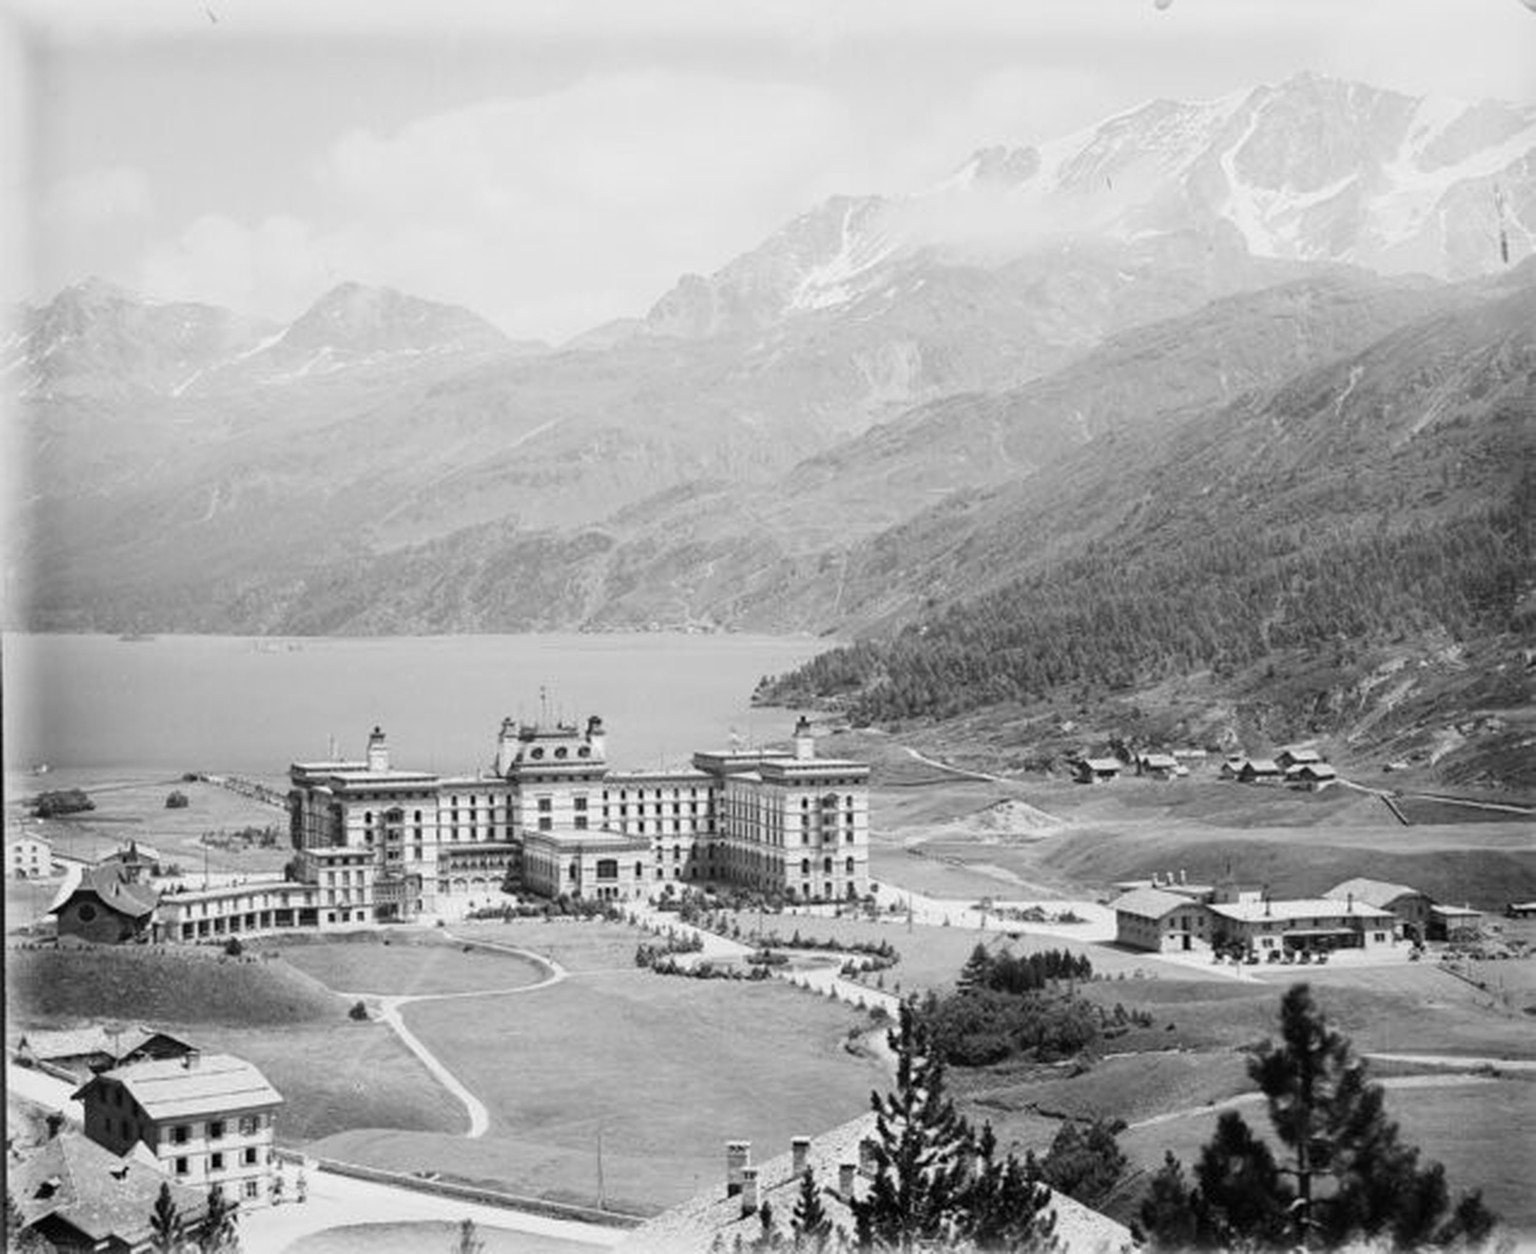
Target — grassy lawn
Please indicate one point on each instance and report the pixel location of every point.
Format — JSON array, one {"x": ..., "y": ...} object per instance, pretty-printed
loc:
[
  {"x": 576, "y": 946},
  {"x": 409, "y": 964},
  {"x": 668, "y": 1069},
  {"x": 159, "y": 984},
  {"x": 428, "y": 1235},
  {"x": 336, "y": 1076},
  {"x": 27, "y": 902}
]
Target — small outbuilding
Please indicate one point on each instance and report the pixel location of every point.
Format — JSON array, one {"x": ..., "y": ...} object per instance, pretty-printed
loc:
[
  {"x": 1159, "y": 766},
  {"x": 1291, "y": 757},
  {"x": 1455, "y": 923},
  {"x": 1260, "y": 771},
  {"x": 1312, "y": 776}
]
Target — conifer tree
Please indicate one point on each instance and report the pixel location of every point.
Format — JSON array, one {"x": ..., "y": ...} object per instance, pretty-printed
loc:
[
  {"x": 166, "y": 1230},
  {"x": 976, "y": 971},
  {"x": 1354, "y": 1179},
  {"x": 217, "y": 1234},
  {"x": 918, "y": 1147},
  {"x": 810, "y": 1223}
]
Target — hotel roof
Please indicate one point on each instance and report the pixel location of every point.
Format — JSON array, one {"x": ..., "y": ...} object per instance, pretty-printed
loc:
[
  {"x": 197, "y": 1085},
  {"x": 1305, "y": 908},
  {"x": 1377, "y": 893}
]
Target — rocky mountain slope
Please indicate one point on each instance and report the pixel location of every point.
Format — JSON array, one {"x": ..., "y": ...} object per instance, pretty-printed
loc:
[{"x": 779, "y": 444}]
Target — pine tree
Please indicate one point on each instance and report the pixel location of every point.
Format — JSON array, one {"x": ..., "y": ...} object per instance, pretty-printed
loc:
[
  {"x": 217, "y": 1234},
  {"x": 467, "y": 1240},
  {"x": 1353, "y": 1178},
  {"x": 1084, "y": 1163},
  {"x": 918, "y": 1149},
  {"x": 976, "y": 972},
  {"x": 811, "y": 1225},
  {"x": 1004, "y": 1206},
  {"x": 165, "y": 1225}
]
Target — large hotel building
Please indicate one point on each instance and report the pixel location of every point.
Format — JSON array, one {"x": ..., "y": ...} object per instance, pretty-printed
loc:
[{"x": 378, "y": 843}]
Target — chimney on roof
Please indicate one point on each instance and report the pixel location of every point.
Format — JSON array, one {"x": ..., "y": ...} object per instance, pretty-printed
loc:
[
  {"x": 867, "y": 1156},
  {"x": 1350, "y": 904},
  {"x": 190, "y": 1059},
  {"x": 1183, "y": 876},
  {"x": 845, "y": 1176},
  {"x": 799, "y": 1150},
  {"x": 737, "y": 1155},
  {"x": 597, "y": 738},
  {"x": 748, "y": 1190}
]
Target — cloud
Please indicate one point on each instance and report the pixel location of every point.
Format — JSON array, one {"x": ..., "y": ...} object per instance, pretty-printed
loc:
[
  {"x": 100, "y": 195},
  {"x": 545, "y": 214}
]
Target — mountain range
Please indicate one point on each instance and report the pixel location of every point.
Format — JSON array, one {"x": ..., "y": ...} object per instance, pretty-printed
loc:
[{"x": 1192, "y": 320}]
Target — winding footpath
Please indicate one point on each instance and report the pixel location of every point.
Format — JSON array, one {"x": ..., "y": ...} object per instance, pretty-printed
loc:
[{"x": 389, "y": 1007}]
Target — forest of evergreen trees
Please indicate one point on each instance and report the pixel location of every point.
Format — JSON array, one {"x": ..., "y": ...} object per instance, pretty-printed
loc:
[{"x": 1111, "y": 619}]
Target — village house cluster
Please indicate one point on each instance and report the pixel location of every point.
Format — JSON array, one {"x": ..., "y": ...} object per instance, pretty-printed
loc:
[
  {"x": 157, "y": 1111},
  {"x": 1169, "y": 915},
  {"x": 377, "y": 843},
  {"x": 1297, "y": 767}
]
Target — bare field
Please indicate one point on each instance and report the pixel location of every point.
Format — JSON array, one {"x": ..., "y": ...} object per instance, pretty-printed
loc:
[{"x": 577, "y": 945}]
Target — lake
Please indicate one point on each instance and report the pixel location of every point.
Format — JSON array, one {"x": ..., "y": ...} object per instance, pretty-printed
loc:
[{"x": 90, "y": 706}]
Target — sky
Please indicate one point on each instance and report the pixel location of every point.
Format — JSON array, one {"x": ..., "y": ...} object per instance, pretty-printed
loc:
[{"x": 554, "y": 164}]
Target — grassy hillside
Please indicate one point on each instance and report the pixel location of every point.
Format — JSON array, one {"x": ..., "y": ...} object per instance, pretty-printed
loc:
[{"x": 160, "y": 985}]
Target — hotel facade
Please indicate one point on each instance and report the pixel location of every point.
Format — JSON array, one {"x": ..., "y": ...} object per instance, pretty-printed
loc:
[{"x": 376, "y": 843}]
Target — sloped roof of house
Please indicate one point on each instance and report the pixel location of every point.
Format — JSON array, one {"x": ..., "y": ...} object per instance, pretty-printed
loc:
[
  {"x": 176, "y": 1088},
  {"x": 108, "y": 885},
  {"x": 1312, "y": 770},
  {"x": 1302, "y": 755},
  {"x": 1159, "y": 761},
  {"x": 93, "y": 1190},
  {"x": 1103, "y": 764},
  {"x": 1261, "y": 766},
  {"x": 1305, "y": 908},
  {"x": 1149, "y": 903},
  {"x": 1376, "y": 893},
  {"x": 692, "y": 1226},
  {"x": 82, "y": 1042}
]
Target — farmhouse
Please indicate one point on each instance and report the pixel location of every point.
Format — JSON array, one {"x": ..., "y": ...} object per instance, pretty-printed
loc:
[
  {"x": 1097, "y": 770},
  {"x": 1293, "y": 757},
  {"x": 1313, "y": 776},
  {"x": 1158, "y": 920},
  {"x": 1315, "y": 924},
  {"x": 1260, "y": 771},
  {"x": 1159, "y": 766},
  {"x": 841, "y": 1166},
  {"x": 78, "y": 1196},
  {"x": 1410, "y": 907},
  {"x": 102, "y": 904},
  {"x": 79, "y": 1053},
  {"x": 28, "y": 857},
  {"x": 206, "y": 1119}
]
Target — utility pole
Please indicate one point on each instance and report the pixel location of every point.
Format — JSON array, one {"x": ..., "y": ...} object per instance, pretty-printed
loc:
[{"x": 602, "y": 1199}]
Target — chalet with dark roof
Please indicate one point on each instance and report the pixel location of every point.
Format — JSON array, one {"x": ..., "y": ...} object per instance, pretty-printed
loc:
[
  {"x": 105, "y": 906},
  {"x": 81, "y": 1052},
  {"x": 1097, "y": 770}
]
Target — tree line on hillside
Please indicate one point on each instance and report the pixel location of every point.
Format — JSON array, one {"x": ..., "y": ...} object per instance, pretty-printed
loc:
[{"x": 1112, "y": 618}]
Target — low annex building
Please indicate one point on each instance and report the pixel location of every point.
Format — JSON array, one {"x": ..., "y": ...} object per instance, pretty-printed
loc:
[
  {"x": 80, "y": 1053},
  {"x": 207, "y": 1119},
  {"x": 78, "y": 1195},
  {"x": 1409, "y": 907}
]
